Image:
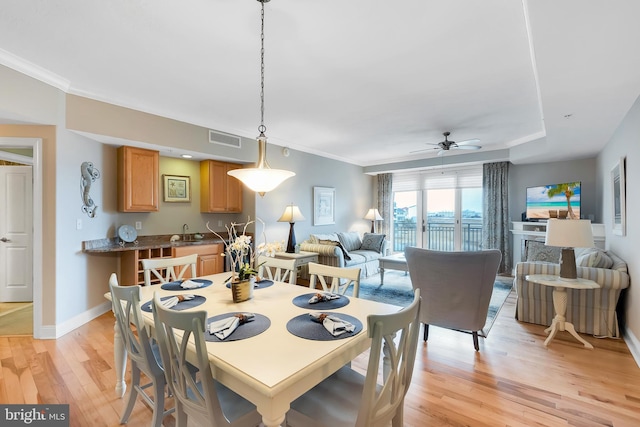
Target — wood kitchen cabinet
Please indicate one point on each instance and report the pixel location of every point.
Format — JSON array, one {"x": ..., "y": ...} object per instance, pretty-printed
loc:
[
  {"x": 219, "y": 192},
  {"x": 138, "y": 172},
  {"x": 210, "y": 260}
]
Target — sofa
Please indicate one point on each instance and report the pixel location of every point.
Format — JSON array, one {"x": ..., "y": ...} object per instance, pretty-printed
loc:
[
  {"x": 348, "y": 249},
  {"x": 592, "y": 311}
]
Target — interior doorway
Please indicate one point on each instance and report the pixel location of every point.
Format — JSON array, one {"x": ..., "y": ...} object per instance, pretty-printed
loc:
[{"x": 29, "y": 151}]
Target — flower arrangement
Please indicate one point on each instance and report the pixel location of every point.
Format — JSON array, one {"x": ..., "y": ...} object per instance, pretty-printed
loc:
[{"x": 239, "y": 250}]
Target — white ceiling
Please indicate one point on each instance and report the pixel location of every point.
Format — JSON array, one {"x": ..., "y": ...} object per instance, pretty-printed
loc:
[{"x": 364, "y": 81}]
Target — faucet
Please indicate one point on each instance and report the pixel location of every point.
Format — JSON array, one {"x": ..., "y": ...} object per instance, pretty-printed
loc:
[{"x": 185, "y": 227}]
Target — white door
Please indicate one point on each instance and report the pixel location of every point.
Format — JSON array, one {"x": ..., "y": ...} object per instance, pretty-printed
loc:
[{"x": 16, "y": 224}]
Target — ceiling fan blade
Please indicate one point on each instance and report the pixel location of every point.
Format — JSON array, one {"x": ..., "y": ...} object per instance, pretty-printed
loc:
[
  {"x": 468, "y": 141},
  {"x": 467, "y": 147}
]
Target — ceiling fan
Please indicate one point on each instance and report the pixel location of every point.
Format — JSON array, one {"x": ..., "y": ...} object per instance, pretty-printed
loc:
[{"x": 447, "y": 145}]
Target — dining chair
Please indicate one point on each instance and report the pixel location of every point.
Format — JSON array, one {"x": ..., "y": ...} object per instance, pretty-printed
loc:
[
  {"x": 341, "y": 278},
  {"x": 347, "y": 398},
  {"x": 164, "y": 269},
  {"x": 199, "y": 398},
  {"x": 142, "y": 351},
  {"x": 279, "y": 270},
  {"x": 456, "y": 287}
]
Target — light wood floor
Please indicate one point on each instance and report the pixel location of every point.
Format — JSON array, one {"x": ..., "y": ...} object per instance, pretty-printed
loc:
[{"x": 513, "y": 381}]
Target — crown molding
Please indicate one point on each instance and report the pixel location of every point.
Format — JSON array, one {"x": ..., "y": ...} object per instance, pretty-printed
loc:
[{"x": 32, "y": 70}]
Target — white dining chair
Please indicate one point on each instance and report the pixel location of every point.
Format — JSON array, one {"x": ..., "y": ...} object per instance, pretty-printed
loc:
[
  {"x": 199, "y": 398},
  {"x": 169, "y": 269},
  {"x": 347, "y": 398},
  {"x": 142, "y": 351},
  {"x": 341, "y": 278},
  {"x": 277, "y": 269}
]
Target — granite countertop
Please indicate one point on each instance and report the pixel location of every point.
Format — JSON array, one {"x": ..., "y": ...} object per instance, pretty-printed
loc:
[{"x": 146, "y": 242}]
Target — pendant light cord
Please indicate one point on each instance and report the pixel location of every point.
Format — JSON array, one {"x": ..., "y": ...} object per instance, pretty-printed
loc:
[{"x": 262, "y": 128}]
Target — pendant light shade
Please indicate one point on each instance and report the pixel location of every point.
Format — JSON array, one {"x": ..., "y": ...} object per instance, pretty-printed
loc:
[{"x": 261, "y": 178}]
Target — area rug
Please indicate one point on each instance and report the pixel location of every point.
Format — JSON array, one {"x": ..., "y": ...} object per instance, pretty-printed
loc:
[{"x": 397, "y": 290}]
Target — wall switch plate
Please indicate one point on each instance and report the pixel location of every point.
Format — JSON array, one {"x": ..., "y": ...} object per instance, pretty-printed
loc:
[
  {"x": 219, "y": 223},
  {"x": 138, "y": 225},
  {"x": 78, "y": 224}
]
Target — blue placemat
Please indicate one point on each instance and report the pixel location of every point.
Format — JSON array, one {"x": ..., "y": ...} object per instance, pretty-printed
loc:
[
  {"x": 175, "y": 286},
  {"x": 184, "y": 305},
  {"x": 261, "y": 284},
  {"x": 302, "y": 326},
  {"x": 303, "y": 301},
  {"x": 258, "y": 325}
]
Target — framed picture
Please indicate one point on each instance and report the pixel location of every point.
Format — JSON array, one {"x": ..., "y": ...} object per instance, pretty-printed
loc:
[
  {"x": 177, "y": 188},
  {"x": 619, "y": 200},
  {"x": 324, "y": 200}
]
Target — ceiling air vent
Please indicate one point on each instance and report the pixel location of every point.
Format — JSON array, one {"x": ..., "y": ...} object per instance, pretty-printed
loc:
[{"x": 222, "y": 138}]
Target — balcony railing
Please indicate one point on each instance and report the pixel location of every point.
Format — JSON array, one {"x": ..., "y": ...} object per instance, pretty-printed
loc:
[{"x": 440, "y": 236}]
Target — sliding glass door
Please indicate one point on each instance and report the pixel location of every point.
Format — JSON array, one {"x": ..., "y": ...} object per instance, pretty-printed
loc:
[{"x": 437, "y": 217}]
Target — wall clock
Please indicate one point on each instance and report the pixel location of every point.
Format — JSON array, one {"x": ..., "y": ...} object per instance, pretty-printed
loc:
[{"x": 127, "y": 234}]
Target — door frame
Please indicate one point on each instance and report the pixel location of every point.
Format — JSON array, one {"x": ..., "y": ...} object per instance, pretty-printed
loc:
[{"x": 36, "y": 165}]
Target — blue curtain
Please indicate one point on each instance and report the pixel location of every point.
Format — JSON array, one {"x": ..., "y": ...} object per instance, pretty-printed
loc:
[
  {"x": 495, "y": 216},
  {"x": 384, "y": 203}
]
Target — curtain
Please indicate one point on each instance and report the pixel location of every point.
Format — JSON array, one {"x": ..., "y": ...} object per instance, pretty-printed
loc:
[
  {"x": 384, "y": 203},
  {"x": 495, "y": 215}
]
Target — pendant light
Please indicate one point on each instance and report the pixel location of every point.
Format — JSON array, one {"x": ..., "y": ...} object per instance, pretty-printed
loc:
[{"x": 261, "y": 178}]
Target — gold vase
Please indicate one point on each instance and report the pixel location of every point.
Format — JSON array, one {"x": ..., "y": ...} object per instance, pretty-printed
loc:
[{"x": 242, "y": 290}]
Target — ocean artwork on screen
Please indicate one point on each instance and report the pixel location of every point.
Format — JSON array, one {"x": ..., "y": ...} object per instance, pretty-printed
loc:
[{"x": 554, "y": 201}]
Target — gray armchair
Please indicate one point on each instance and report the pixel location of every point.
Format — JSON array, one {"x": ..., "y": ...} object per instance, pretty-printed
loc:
[{"x": 456, "y": 287}]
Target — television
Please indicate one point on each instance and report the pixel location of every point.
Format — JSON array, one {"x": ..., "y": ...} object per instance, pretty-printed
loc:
[{"x": 553, "y": 201}]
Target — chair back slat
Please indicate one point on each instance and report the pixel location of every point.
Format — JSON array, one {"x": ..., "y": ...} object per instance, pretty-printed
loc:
[
  {"x": 340, "y": 278},
  {"x": 277, "y": 269},
  {"x": 164, "y": 269}
]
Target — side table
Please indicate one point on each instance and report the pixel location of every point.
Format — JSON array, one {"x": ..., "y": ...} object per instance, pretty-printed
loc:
[
  {"x": 560, "y": 286},
  {"x": 302, "y": 258}
]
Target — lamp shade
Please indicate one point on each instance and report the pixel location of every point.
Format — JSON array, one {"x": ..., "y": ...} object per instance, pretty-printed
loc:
[
  {"x": 569, "y": 233},
  {"x": 373, "y": 215},
  {"x": 291, "y": 214}
]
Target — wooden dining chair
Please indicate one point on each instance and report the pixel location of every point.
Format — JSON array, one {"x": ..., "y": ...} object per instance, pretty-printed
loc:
[
  {"x": 169, "y": 269},
  {"x": 347, "y": 398},
  {"x": 199, "y": 397},
  {"x": 142, "y": 351},
  {"x": 279, "y": 270},
  {"x": 341, "y": 278}
]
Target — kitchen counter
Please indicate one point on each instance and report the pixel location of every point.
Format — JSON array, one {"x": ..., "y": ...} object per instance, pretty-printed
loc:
[{"x": 146, "y": 242}]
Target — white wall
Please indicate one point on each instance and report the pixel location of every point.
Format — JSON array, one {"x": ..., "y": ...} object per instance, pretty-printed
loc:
[{"x": 625, "y": 142}]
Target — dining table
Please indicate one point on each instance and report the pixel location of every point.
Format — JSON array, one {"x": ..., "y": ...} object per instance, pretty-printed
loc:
[{"x": 282, "y": 360}]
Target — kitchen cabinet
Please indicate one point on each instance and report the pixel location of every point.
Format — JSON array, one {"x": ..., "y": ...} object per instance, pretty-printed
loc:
[
  {"x": 219, "y": 192},
  {"x": 138, "y": 175}
]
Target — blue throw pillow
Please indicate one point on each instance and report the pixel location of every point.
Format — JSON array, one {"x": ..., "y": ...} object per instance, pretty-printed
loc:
[{"x": 372, "y": 242}]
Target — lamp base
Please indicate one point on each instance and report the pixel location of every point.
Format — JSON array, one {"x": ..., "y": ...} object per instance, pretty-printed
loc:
[
  {"x": 291, "y": 244},
  {"x": 568, "y": 269}
]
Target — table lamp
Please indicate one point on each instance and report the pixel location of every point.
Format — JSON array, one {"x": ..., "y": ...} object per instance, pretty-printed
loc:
[
  {"x": 291, "y": 215},
  {"x": 373, "y": 215},
  {"x": 569, "y": 234}
]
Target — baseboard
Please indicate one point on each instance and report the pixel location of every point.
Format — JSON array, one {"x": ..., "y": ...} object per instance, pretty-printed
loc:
[
  {"x": 634, "y": 345},
  {"x": 81, "y": 319}
]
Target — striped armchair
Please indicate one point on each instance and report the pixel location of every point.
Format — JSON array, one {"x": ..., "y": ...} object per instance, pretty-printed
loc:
[{"x": 592, "y": 311}]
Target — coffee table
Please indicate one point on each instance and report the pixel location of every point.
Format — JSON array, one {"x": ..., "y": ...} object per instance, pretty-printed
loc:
[{"x": 392, "y": 262}]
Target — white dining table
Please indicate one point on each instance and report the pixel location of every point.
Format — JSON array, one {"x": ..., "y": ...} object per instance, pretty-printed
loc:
[{"x": 273, "y": 368}]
